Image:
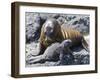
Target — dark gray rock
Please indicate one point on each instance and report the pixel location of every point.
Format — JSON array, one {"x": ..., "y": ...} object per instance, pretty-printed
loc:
[
  {"x": 81, "y": 56},
  {"x": 79, "y": 23},
  {"x": 33, "y": 29},
  {"x": 70, "y": 17},
  {"x": 56, "y": 16}
]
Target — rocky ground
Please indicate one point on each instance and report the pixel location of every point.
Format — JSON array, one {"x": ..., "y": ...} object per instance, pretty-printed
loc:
[{"x": 34, "y": 22}]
